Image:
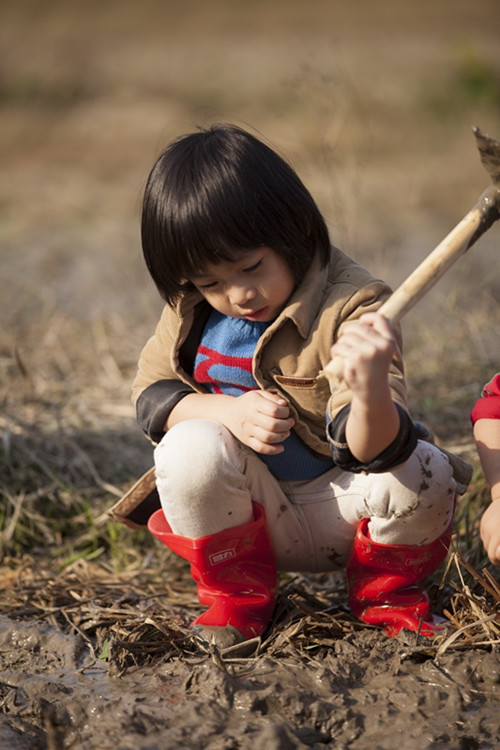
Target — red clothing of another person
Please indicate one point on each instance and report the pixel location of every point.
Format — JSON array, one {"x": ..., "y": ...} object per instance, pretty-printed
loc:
[{"x": 488, "y": 404}]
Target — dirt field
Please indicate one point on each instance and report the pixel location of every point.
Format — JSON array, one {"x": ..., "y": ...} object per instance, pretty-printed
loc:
[{"x": 373, "y": 103}]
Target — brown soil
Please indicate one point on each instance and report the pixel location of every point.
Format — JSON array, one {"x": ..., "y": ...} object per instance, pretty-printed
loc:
[
  {"x": 363, "y": 693},
  {"x": 373, "y": 103},
  {"x": 90, "y": 660}
]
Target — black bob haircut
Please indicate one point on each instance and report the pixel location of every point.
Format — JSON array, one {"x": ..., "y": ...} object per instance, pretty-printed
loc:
[{"x": 215, "y": 192}]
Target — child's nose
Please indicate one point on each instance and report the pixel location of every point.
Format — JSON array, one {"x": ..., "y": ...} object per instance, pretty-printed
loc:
[{"x": 240, "y": 295}]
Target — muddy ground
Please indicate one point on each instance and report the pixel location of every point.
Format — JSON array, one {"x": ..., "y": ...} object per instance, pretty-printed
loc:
[
  {"x": 319, "y": 679},
  {"x": 364, "y": 692},
  {"x": 373, "y": 103}
]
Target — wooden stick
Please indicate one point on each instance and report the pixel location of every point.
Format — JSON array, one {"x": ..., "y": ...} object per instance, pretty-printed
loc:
[{"x": 433, "y": 267}]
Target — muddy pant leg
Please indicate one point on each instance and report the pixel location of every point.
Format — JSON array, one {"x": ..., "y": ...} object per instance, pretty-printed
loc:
[
  {"x": 207, "y": 481},
  {"x": 413, "y": 504}
]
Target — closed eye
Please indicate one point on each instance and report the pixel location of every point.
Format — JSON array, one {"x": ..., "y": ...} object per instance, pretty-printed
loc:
[{"x": 253, "y": 268}]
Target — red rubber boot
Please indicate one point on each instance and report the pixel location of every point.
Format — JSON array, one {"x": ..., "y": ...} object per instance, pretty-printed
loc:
[
  {"x": 385, "y": 582},
  {"x": 235, "y": 575}
]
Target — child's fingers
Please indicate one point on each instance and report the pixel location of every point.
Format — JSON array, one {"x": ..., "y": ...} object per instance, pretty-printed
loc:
[
  {"x": 264, "y": 447},
  {"x": 271, "y": 437},
  {"x": 493, "y": 549},
  {"x": 377, "y": 321},
  {"x": 370, "y": 322},
  {"x": 365, "y": 338},
  {"x": 263, "y": 422},
  {"x": 275, "y": 397},
  {"x": 490, "y": 531},
  {"x": 273, "y": 405},
  {"x": 273, "y": 430},
  {"x": 364, "y": 346}
]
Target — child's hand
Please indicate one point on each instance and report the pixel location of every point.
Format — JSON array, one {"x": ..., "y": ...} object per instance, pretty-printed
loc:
[
  {"x": 367, "y": 346},
  {"x": 260, "y": 420},
  {"x": 490, "y": 531}
]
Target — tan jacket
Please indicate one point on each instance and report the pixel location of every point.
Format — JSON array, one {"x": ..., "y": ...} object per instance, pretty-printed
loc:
[{"x": 294, "y": 349}]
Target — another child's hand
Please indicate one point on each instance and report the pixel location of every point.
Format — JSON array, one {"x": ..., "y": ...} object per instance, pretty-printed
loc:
[
  {"x": 367, "y": 347},
  {"x": 260, "y": 420},
  {"x": 490, "y": 531}
]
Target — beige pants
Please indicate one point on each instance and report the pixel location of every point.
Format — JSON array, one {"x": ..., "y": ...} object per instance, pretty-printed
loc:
[{"x": 207, "y": 481}]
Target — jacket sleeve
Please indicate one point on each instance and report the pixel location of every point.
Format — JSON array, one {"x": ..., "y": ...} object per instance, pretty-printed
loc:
[
  {"x": 396, "y": 453},
  {"x": 155, "y": 404},
  {"x": 157, "y": 387}
]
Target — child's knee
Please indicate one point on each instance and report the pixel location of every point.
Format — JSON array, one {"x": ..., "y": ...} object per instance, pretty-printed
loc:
[
  {"x": 415, "y": 503},
  {"x": 193, "y": 439},
  {"x": 437, "y": 488},
  {"x": 433, "y": 471},
  {"x": 195, "y": 450},
  {"x": 427, "y": 474}
]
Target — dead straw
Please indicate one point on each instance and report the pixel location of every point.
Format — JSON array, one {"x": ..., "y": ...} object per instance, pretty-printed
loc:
[{"x": 133, "y": 619}]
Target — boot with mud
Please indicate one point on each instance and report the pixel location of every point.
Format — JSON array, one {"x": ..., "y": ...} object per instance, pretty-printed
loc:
[
  {"x": 235, "y": 575},
  {"x": 385, "y": 583}
]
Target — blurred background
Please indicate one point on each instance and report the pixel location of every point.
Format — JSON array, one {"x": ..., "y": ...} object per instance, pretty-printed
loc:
[{"x": 373, "y": 103}]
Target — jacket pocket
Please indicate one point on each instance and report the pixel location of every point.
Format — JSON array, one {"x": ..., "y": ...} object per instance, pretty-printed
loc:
[{"x": 308, "y": 395}]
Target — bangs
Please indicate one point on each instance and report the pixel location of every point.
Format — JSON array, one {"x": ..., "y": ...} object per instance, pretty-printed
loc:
[{"x": 208, "y": 234}]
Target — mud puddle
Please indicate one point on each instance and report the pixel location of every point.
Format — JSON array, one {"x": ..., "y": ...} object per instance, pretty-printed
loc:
[{"x": 367, "y": 691}]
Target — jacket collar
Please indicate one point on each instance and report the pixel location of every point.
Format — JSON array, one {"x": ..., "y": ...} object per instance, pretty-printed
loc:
[{"x": 305, "y": 302}]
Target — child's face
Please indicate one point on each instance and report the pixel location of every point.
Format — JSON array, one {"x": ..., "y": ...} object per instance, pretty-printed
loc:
[{"x": 255, "y": 286}]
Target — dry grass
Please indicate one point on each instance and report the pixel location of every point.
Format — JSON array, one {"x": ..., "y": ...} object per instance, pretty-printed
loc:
[{"x": 141, "y": 616}]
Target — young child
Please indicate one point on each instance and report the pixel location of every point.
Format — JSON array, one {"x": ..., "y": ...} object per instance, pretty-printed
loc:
[
  {"x": 486, "y": 421},
  {"x": 259, "y": 466}
]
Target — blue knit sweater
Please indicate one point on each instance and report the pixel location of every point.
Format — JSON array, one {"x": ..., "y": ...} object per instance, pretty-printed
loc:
[{"x": 223, "y": 364}]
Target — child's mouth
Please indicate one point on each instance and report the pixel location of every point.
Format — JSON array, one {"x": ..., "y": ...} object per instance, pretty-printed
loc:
[{"x": 257, "y": 315}]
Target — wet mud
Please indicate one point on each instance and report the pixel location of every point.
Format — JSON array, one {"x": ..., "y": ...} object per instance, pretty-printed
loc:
[{"x": 367, "y": 691}]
